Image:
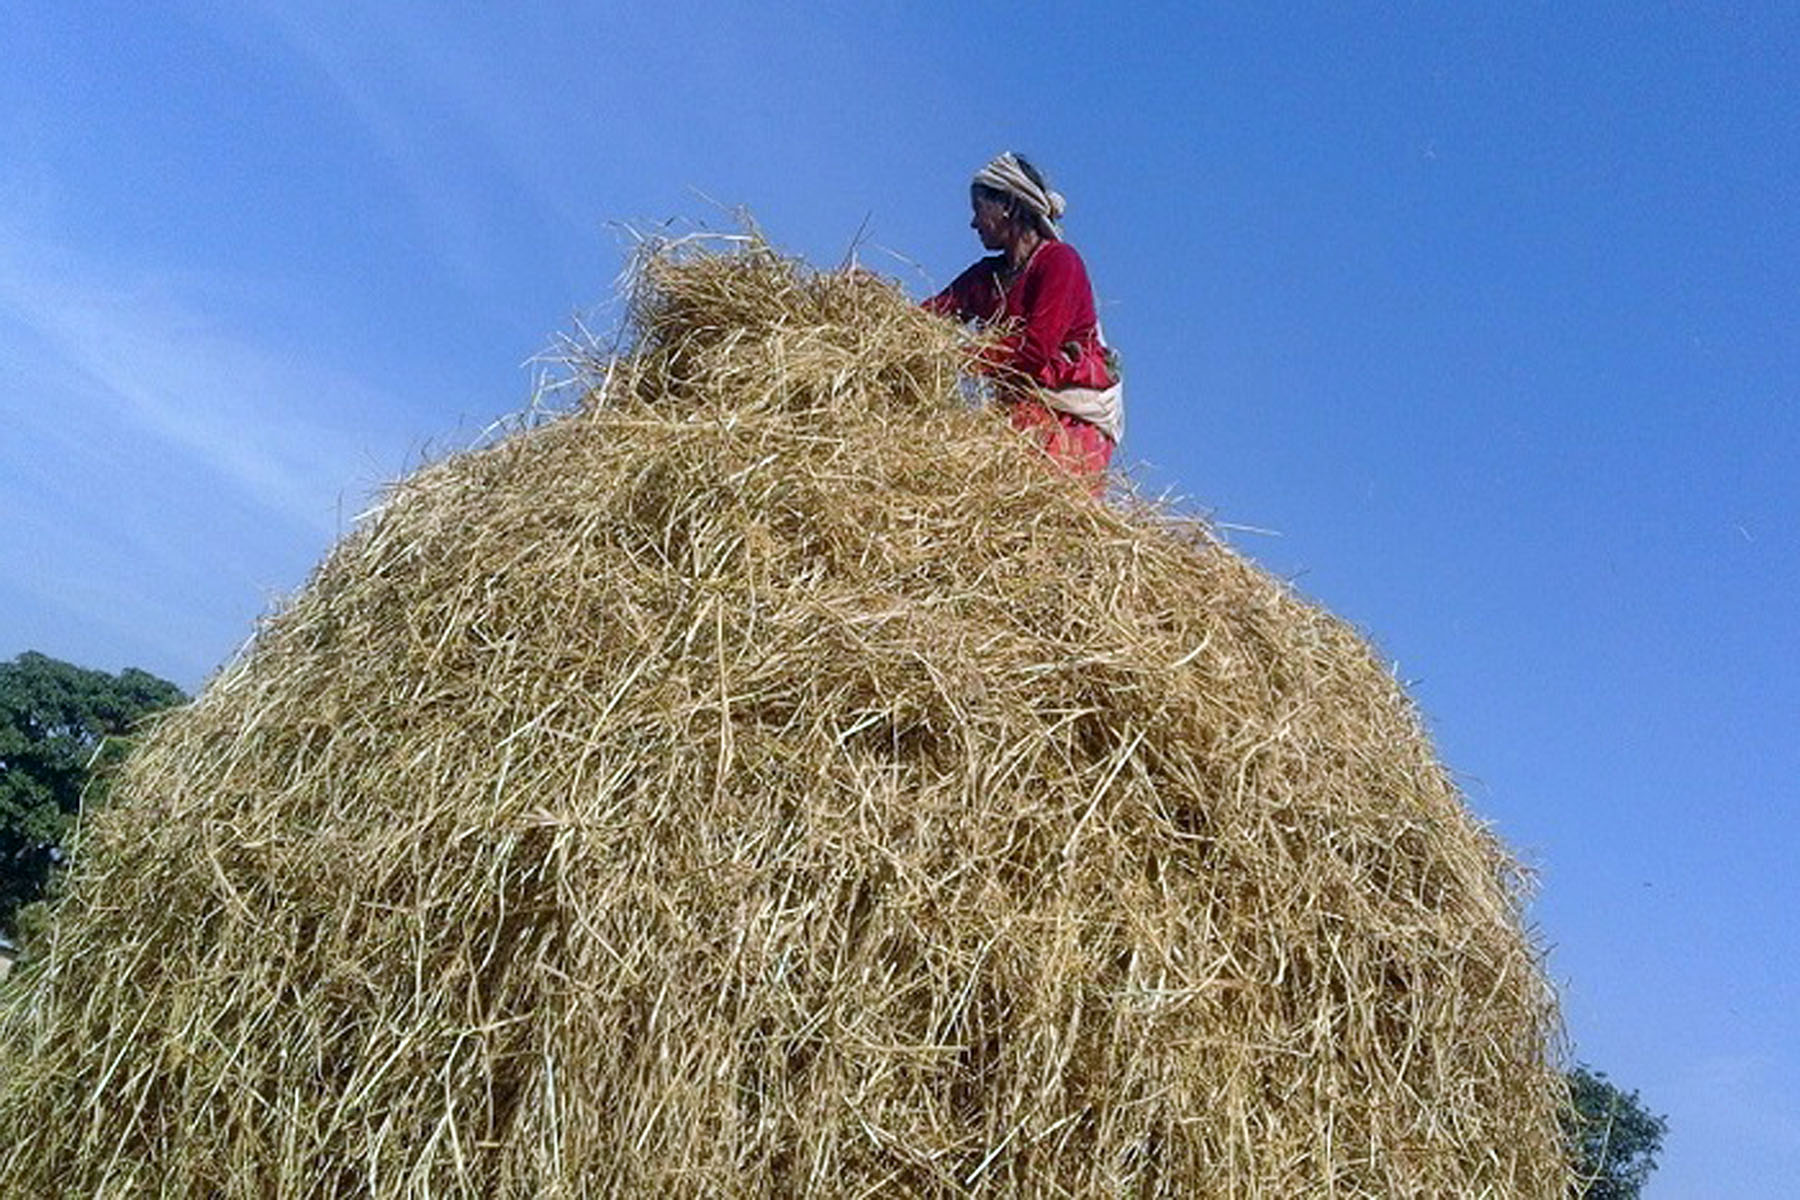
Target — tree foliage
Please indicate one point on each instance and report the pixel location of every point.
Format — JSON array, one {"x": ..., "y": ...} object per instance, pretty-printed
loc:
[
  {"x": 61, "y": 728},
  {"x": 1613, "y": 1138}
]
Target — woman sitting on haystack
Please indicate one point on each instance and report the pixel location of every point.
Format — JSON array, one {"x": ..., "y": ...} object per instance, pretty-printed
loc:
[{"x": 1053, "y": 372}]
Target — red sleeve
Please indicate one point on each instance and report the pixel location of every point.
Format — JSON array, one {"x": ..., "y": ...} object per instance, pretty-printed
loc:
[
  {"x": 970, "y": 296},
  {"x": 1056, "y": 301}
]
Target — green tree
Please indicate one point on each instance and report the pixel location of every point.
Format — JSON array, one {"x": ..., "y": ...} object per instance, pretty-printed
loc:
[
  {"x": 61, "y": 727},
  {"x": 1613, "y": 1138}
]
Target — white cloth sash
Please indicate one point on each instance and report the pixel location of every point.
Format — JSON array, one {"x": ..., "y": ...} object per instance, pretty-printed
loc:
[{"x": 1103, "y": 408}]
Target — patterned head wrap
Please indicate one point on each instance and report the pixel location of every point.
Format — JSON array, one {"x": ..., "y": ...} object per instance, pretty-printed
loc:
[{"x": 1006, "y": 174}]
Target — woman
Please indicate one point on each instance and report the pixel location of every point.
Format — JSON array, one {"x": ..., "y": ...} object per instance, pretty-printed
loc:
[{"x": 1053, "y": 372}]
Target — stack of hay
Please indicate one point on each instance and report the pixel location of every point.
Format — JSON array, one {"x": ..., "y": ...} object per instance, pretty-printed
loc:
[{"x": 774, "y": 778}]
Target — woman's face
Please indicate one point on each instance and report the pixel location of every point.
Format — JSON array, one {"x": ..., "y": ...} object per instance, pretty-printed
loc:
[{"x": 990, "y": 221}]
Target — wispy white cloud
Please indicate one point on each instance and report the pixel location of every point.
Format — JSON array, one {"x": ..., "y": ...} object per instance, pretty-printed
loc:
[
  {"x": 433, "y": 97},
  {"x": 165, "y": 470},
  {"x": 133, "y": 356}
]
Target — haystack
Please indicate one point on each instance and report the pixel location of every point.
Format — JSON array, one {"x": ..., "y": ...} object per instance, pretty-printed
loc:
[{"x": 775, "y": 779}]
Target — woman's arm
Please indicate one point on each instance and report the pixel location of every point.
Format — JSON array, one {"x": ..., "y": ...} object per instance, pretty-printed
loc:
[{"x": 970, "y": 296}]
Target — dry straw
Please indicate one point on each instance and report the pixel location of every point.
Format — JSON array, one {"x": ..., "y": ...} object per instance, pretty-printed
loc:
[{"x": 775, "y": 779}]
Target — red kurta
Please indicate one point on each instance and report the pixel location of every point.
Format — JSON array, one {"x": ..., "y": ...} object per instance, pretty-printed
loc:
[{"x": 1056, "y": 344}]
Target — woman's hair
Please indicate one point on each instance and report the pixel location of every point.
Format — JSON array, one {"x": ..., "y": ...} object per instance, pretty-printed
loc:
[{"x": 1031, "y": 172}]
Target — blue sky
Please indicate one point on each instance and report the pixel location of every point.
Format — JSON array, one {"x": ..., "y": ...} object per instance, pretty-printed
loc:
[{"x": 1489, "y": 312}]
